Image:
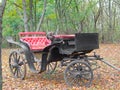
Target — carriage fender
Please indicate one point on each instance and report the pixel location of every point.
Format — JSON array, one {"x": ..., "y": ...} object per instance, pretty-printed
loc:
[
  {"x": 23, "y": 45},
  {"x": 45, "y": 53}
]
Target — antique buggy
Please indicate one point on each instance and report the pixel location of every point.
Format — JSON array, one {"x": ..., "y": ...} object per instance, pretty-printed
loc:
[{"x": 71, "y": 50}]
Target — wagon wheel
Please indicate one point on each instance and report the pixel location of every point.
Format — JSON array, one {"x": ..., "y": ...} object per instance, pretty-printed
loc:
[
  {"x": 37, "y": 64},
  {"x": 17, "y": 65},
  {"x": 50, "y": 66},
  {"x": 78, "y": 73}
]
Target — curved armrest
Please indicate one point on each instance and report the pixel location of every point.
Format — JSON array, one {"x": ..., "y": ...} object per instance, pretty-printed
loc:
[{"x": 10, "y": 40}]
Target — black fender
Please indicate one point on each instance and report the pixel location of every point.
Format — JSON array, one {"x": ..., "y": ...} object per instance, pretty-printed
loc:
[
  {"x": 28, "y": 54},
  {"x": 45, "y": 52}
]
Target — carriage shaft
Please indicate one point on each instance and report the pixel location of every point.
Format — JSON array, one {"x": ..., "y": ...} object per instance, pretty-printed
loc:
[{"x": 111, "y": 65}]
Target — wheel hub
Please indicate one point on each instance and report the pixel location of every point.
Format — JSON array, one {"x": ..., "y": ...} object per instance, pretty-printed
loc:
[
  {"x": 15, "y": 65},
  {"x": 78, "y": 76}
]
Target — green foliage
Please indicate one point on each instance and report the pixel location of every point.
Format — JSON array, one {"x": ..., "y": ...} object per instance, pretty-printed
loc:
[
  {"x": 67, "y": 16},
  {"x": 11, "y": 21}
]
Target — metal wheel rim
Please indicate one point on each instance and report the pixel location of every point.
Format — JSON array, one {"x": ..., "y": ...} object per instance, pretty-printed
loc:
[
  {"x": 17, "y": 65},
  {"x": 81, "y": 80}
]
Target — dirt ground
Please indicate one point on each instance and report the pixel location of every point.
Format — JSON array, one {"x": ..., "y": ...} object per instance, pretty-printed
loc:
[{"x": 105, "y": 78}]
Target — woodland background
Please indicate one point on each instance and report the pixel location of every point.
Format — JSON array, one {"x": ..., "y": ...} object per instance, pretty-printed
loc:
[{"x": 63, "y": 16}]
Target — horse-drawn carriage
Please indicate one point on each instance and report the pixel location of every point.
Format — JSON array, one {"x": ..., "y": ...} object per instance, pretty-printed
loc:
[{"x": 71, "y": 50}]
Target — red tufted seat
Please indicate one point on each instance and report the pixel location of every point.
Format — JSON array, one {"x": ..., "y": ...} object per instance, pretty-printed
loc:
[{"x": 36, "y": 41}]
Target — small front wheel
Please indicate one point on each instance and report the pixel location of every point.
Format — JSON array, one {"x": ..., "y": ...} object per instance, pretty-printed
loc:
[
  {"x": 17, "y": 64},
  {"x": 78, "y": 73}
]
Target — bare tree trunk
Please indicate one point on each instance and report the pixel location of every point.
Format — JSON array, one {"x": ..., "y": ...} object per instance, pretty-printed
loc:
[
  {"x": 25, "y": 16},
  {"x": 110, "y": 21},
  {"x": 2, "y": 7},
  {"x": 102, "y": 21},
  {"x": 31, "y": 14},
  {"x": 35, "y": 16},
  {"x": 57, "y": 12},
  {"x": 114, "y": 19},
  {"x": 60, "y": 11},
  {"x": 96, "y": 18},
  {"x": 42, "y": 17}
]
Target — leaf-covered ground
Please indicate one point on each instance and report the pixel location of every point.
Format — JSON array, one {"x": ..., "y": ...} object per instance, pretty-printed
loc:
[{"x": 105, "y": 78}]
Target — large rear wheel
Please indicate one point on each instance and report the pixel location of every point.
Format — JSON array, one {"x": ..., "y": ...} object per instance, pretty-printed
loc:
[{"x": 78, "y": 73}]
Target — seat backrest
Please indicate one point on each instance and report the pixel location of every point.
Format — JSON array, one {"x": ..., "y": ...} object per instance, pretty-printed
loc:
[
  {"x": 31, "y": 34},
  {"x": 35, "y": 40}
]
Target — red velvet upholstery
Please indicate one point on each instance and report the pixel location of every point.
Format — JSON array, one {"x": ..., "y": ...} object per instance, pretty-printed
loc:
[{"x": 36, "y": 40}]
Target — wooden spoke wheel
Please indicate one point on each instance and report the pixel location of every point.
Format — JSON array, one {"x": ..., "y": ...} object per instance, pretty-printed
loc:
[
  {"x": 78, "y": 74},
  {"x": 17, "y": 64},
  {"x": 51, "y": 66},
  {"x": 37, "y": 65}
]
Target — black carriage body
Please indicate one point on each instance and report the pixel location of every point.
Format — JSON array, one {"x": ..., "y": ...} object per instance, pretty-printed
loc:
[
  {"x": 60, "y": 48},
  {"x": 86, "y": 42},
  {"x": 80, "y": 44}
]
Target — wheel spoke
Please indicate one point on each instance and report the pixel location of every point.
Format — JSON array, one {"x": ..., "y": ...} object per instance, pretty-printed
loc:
[
  {"x": 15, "y": 72},
  {"x": 77, "y": 82},
  {"x": 69, "y": 76},
  {"x": 48, "y": 68},
  {"x": 85, "y": 72},
  {"x": 72, "y": 81},
  {"x": 19, "y": 72},
  {"x": 11, "y": 65},
  {"x": 51, "y": 66},
  {"x": 14, "y": 56},
  {"x": 82, "y": 81},
  {"x": 86, "y": 78},
  {"x": 18, "y": 59}
]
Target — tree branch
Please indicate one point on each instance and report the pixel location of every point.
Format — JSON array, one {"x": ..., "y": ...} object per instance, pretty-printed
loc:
[
  {"x": 17, "y": 5},
  {"x": 42, "y": 17}
]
